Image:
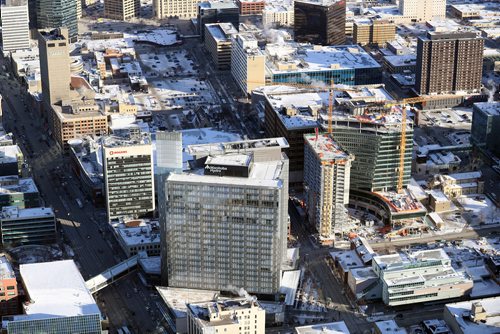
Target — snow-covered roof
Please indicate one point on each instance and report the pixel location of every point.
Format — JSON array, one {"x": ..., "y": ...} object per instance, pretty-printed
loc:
[
  {"x": 328, "y": 328},
  {"x": 460, "y": 312},
  {"x": 289, "y": 285},
  {"x": 56, "y": 289},
  {"x": 490, "y": 108},
  {"x": 14, "y": 212}
]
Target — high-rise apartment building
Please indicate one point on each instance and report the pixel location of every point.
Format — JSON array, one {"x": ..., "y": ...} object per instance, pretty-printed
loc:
[
  {"x": 122, "y": 10},
  {"x": 128, "y": 176},
  {"x": 52, "y": 14},
  {"x": 449, "y": 62},
  {"x": 184, "y": 9},
  {"x": 15, "y": 25},
  {"x": 217, "y": 11},
  {"x": 54, "y": 65},
  {"x": 320, "y": 21},
  {"x": 226, "y": 223},
  {"x": 235, "y": 316},
  {"x": 248, "y": 62},
  {"x": 422, "y": 10},
  {"x": 9, "y": 302},
  {"x": 327, "y": 170},
  {"x": 370, "y": 31}
]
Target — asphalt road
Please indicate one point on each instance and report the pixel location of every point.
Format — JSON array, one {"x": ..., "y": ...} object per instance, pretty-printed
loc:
[{"x": 94, "y": 252}]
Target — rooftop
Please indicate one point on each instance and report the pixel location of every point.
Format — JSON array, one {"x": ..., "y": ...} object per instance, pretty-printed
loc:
[
  {"x": 461, "y": 313},
  {"x": 13, "y": 185},
  {"x": 319, "y": 2},
  {"x": 328, "y": 328},
  {"x": 6, "y": 270},
  {"x": 389, "y": 326},
  {"x": 236, "y": 146},
  {"x": 56, "y": 289},
  {"x": 14, "y": 212},
  {"x": 9, "y": 154},
  {"x": 177, "y": 299},
  {"x": 221, "y": 31},
  {"x": 116, "y": 141},
  {"x": 293, "y": 57},
  {"x": 325, "y": 147},
  {"x": 220, "y": 311},
  {"x": 490, "y": 108},
  {"x": 145, "y": 233},
  {"x": 217, "y": 4},
  {"x": 400, "y": 261}
]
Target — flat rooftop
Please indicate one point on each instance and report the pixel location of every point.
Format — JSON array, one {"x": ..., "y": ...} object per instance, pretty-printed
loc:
[
  {"x": 314, "y": 58},
  {"x": 14, "y": 212},
  {"x": 328, "y": 328},
  {"x": 26, "y": 185},
  {"x": 116, "y": 141},
  {"x": 217, "y": 4},
  {"x": 461, "y": 311},
  {"x": 240, "y": 146},
  {"x": 221, "y": 31},
  {"x": 490, "y": 108},
  {"x": 139, "y": 235},
  {"x": 177, "y": 298},
  {"x": 325, "y": 147},
  {"x": 57, "y": 289},
  {"x": 399, "y": 261},
  {"x": 9, "y": 154},
  {"x": 319, "y": 2}
]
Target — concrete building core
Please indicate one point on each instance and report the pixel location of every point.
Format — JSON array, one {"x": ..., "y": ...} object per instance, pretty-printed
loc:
[{"x": 326, "y": 182}]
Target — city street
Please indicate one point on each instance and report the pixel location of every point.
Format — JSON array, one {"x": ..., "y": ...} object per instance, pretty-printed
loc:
[{"x": 94, "y": 252}]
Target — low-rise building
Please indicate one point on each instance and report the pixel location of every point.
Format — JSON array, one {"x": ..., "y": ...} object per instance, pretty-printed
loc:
[
  {"x": 419, "y": 277},
  {"x": 218, "y": 43},
  {"x": 176, "y": 301},
  {"x": 138, "y": 235},
  {"x": 27, "y": 226},
  {"x": 475, "y": 316},
  {"x": 438, "y": 201},
  {"x": 9, "y": 303},
  {"x": 458, "y": 184},
  {"x": 319, "y": 65},
  {"x": 58, "y": 301},
  {"x": 235, "y": 316},
  {"x": 18, "y": 192}
]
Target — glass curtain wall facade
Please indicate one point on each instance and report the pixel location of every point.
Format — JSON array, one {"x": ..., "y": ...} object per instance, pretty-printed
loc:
[
  {"x": 58, "y": 14},
  {"x": 83, "y": 324},
  {"x": 377, "y": 155},
  {"x": 361, "y": 76}
]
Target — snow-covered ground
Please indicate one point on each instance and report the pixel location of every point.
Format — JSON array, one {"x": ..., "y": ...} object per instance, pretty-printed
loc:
[{"x": 482, "y": 211}]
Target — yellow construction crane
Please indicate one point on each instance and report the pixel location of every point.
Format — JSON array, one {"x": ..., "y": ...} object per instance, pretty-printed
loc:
[{"x": 402, "y": 144}]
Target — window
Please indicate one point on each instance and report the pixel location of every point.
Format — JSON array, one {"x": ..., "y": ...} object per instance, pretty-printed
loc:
[{"x": 11, "y": 287}]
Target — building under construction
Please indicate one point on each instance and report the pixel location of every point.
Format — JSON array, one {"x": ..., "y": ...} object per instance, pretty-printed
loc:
[
  {"x": 374, "y": 133},
  {"x": 326, "y": 183}
]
